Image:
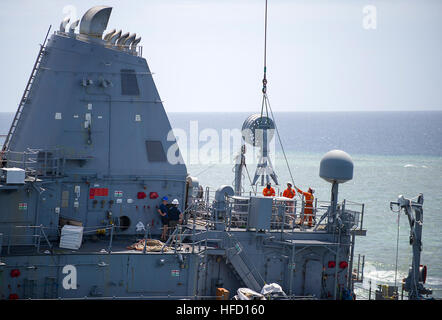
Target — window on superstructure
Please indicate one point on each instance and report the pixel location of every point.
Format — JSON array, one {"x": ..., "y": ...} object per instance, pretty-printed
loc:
[
  {"x": 129, "y": 83},
  {"x": 155, "y": 151}
]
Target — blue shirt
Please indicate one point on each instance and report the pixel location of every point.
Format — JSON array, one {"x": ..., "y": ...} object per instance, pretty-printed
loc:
[{"x": 164, "y": 209}]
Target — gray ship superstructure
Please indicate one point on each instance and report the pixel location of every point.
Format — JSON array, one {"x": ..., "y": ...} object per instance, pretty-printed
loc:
[{"x": 85, "y": 166}]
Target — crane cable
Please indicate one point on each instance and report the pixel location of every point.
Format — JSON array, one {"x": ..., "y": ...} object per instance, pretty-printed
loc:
[
  {"x": 266, "y": 101},
  {"x": 397, "y": 246},
  {"x": 264, "y": 79}
]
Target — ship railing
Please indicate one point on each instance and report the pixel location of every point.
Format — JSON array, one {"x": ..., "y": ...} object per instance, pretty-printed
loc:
[
  {"x": 39, "y": 235},
  {"x": 42, "y": 162},
  {"x": 237, "y": 213},
  {"x": 175, "y": 240},
  {"x": 286, "y": 213},
  {"x": 22, "y": 240},
  {"x": 357, "y": 273},
  {"x": 352, "y": 214},
  {"x": 36, "y": 162},
  {"x": 137, "y": 51},
  {"x": 209, "y": 195}
]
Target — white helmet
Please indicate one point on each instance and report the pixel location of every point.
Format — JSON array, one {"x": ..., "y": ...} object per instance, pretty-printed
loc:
[
  {"x": 288, "y": 182},
  {"x": 175, "y": 201}
]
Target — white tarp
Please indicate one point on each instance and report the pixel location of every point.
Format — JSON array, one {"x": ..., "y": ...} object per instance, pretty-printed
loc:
[
  {"x": 248, "y": 294},
  {"x": 71, "y": 237},
  {"x": 272, "y": 288}
]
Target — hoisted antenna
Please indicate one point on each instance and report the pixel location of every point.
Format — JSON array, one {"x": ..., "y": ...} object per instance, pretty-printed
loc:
[
  {"x": 258, "y": 129},
  {"x": 261, "y": 128}
]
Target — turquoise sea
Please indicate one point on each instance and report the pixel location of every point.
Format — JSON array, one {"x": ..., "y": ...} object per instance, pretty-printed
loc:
[{"x": 393, "y": 152}]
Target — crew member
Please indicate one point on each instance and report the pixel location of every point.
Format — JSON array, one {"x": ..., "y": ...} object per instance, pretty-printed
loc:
[
  {"x": 268, "y": 191},
  {"x": 289, "y": 193},
  {"x": 175, "y": 215},
  {"x": 308, "y": 209},
  {"x": 163, "y": 211}
]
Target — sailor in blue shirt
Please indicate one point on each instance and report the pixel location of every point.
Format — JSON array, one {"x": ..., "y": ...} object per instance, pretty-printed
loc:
[{"x": 163, "y": 211}]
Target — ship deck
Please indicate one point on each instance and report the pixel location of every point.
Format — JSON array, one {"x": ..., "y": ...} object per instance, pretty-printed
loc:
[
  {"x": 306, "y": 236},
  {"x": 119, "y": 246}
]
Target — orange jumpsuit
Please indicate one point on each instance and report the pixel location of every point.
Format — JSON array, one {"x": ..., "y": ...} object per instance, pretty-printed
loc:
[
  {"x": 308, "y": 209},
  {"x": 289, "y": 193},
  {"x": 268, "y": 192}
]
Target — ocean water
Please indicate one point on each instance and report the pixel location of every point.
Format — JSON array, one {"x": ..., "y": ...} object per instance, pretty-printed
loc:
[{"x": 393, "y": 152}]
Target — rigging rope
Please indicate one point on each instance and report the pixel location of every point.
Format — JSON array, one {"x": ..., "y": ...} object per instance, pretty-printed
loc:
[
  {"x": 266, "y": 101},
  {"x": 282, "y": 147},
  {"x": 250, "y": 180}
]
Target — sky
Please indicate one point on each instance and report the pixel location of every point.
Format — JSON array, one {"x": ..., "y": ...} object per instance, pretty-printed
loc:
[{"x": 207, "y": 55}]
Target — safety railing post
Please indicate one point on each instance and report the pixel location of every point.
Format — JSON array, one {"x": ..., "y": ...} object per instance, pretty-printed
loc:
[
  {"x": 362, "y": 215},
  {"x": 363, "y": 264},
  {"x": 23, "y": 161},
  {"x": 315, "y": 210},
  {"x": 145, "y": 240},
  {"x": 39, "y": 240},
  {"x": 230, "y": 215},
  {"x": 295, "y": 204},
  {"x": 283, "y": 221},
  {"x": 301, "y": 222},
  {"x": 46, "y": 238},
  {"x": 359, "y": 263},
  {"x": 369, "y": 292},
  {"x": 110, "y": 239}
]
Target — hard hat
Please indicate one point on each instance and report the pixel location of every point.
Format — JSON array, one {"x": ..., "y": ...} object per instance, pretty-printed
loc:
[
  {"x": 175, "y": 201},
  {"x": 165, "y": 198},
  {"x": 288, "y": 182}
]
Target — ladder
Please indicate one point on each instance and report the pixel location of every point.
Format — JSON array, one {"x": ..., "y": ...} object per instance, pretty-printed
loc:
[
  {"x": 243, "y": 266},
  {"x": 25, "y": 97}
]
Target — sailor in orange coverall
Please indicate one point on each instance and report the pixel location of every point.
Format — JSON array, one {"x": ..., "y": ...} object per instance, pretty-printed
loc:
[
  {"x": 308, "y": 209},
  {"x": 268, "y": 191},
  {"x": 289, "y": 193}
]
